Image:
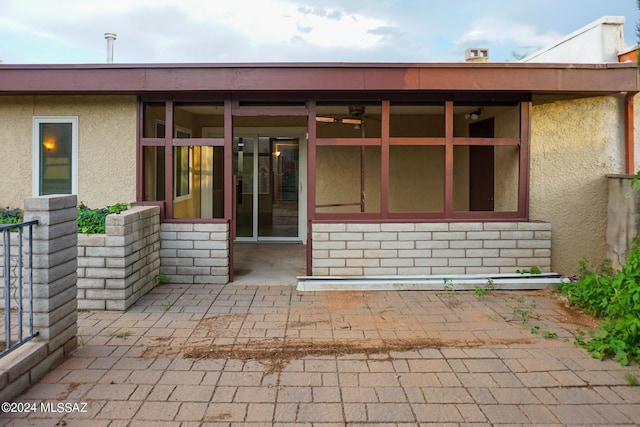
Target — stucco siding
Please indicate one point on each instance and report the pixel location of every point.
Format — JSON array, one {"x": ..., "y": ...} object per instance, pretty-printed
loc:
[
  {"x": 106, "y": 145},
  {"x": 16, "y": 129},
  {"x": 574, "y": 145}
]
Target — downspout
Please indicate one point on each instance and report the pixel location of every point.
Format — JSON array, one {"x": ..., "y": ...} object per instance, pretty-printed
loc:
[{"x": 629, "y": 133}]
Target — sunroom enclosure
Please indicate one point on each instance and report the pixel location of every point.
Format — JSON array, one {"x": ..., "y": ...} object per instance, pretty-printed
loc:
[{"x": 379, "y": 186}]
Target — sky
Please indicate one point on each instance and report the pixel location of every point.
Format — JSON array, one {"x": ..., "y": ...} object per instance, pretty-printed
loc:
[{"x": 232, "y": 31}]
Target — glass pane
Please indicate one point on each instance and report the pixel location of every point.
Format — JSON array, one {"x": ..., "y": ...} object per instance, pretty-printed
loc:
[
  {"x": 154, "y": 173},
  {"x": 56, "y": 146},
  {"x": 198, "y": 120},
  {"x": 416, "y": 178},
  {"x": 347, "y": 179},
  {"x": 412, "y": 121},
  {"x": 154, "y": 120},
  {"x": 485, "y": 178},
  {"x": 506, "y": 120},
  {"x": 278, "y": 210},
  {"x": 205, "y": 176},
  {"x": 182, "y": 173},
  {"x": 358, "y": 120},
  {"x": 243, "y": 152}
]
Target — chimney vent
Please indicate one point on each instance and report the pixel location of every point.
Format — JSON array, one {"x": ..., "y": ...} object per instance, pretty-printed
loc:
[
  {"x": 475, "y": 54},
  {"x": 110, "y": 37}
]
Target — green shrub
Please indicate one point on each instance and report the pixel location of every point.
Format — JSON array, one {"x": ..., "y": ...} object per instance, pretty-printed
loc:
[
  {"x": 614, "y": 297},
  {"x": 93, "y": 221},
  {"x": 10, "y": 216}
]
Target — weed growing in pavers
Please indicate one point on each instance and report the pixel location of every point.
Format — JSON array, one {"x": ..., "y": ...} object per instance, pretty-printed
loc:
[
  {"x": 481, "y": 291},
  {"x": 121, "y": 334},
  {"x": 615, "y": 298},
  {"x": 451, "y": 292},
  {"x": 544, "y": 333},
  {"x": 632, "y": 380},
  {"x": 524, "y": 310},
  {"x": 167, "y": 305},
  {"x": 161, "y": 278}
]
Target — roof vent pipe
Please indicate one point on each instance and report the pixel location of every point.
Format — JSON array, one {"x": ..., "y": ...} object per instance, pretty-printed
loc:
[{"x": 110, "y": 37}]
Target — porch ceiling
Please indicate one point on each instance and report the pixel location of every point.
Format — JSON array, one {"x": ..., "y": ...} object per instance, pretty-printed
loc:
[{"x": 304, "y": 78}]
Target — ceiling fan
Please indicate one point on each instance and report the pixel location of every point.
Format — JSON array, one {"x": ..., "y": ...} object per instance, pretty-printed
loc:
[{"x": 356, "y": 112}]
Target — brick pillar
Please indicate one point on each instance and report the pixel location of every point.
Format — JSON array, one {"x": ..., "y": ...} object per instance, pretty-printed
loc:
[{"x": 55, "y": 266}]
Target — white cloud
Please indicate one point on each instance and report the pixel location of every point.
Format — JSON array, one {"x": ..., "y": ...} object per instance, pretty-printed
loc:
[{"x": 503, "y": 31}]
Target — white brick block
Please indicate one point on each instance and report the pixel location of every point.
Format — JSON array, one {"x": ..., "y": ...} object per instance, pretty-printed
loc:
[
  {"x": 534, "y": 244},
  {"x": 317, "y": 271},
  {"x": 433, "y": 244},
  {"x": 465, "y": 262},
  {"x": 465, "y": 244},
  {"x": 483, "y": 235},
  {"x": 542, "y": 235},
  {"x": 499, "y": 244},
  {"x": 407, "y": 227},
  {"x": 431, "y": 262},
  {"x": 499, "y": 262},
  {"x": 516, "y": 235},
  {"x": 448, "y": 253},
  {"x": 363, "y": 244},
  {"x": 365, "y": 228},
  {"x": 330, "y": 244},
  {"x": 390, "y": 244},
  {"x": 432, "y": 226},
  {"x": 483, "y": 253},
  {"x": 380, "y": 271},
  {"x": 466, "y": 226},
  {"x": 482, "y": 270},
  {"x": 448, "y": 270},
  {"x": 329, "y": 262},
  {"x": 387, "y": 235},
  {"x": 500, "y": 226},
  {"x": 176, "y": 227},
  {"x": 328, "y": 228},
  {"x": 320, "y": 253},
  {"x": 345, "y": 236},
  {"x": 396, "y": 262},
  {"x": 319, "y": 237},
  {"x": 380, "y": 253},
  {"x": 449, "y": 235},
  {"x": 346, "y": 271},
  {"x": 416, "y": 235},
  {"x": 414, "y": 253},
  {"x": 516, "y": 253},
  {"x": 193, "y": 235},
  {"x": 346, "y": 253},
  {"x": 362, "y": 262},
  {"x": 534, "y": 226}
]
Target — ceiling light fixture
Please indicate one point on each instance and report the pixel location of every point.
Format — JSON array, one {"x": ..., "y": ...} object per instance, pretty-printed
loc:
[{"x": 473, "y": 115}]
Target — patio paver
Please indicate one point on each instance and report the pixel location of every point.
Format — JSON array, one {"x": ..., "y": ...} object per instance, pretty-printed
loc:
[{"x": 269, "y": 355}]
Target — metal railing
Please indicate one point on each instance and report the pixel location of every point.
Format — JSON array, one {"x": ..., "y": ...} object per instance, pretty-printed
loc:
[{"x": 14, "y": 282}]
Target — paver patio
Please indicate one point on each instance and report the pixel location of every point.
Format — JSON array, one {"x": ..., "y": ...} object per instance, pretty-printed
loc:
[{"x": 220, "y": 355}]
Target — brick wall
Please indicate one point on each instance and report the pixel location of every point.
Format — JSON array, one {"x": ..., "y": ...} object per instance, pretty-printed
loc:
[
  {"x": 55, "y": 312},
  {"x": 115, "y": 269},
  {"x": 195, "y": 253},
  {"x": 429, "y": 248}
]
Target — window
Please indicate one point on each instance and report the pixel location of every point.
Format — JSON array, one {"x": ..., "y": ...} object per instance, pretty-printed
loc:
[
  {"x": 55, "y": 149},
  {"x": 183, "y": 162},
  {"x": 431, "y": 160}
]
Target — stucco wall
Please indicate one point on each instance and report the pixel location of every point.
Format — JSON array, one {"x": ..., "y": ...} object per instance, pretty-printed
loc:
[
  {"x": 574, "y": 145},
  {"x": 106, "y": 145}
]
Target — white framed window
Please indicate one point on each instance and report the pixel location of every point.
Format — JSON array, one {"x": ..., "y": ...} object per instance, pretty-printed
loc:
[{"x": 55, "y": 155}]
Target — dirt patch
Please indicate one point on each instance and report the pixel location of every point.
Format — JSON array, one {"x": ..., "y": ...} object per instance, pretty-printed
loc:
[
  {"x": 276, "y": 354},
  {"x": 573, "y": 315}
]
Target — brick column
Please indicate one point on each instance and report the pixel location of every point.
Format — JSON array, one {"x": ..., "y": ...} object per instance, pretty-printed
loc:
[{"x": 54, "y": 271}]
